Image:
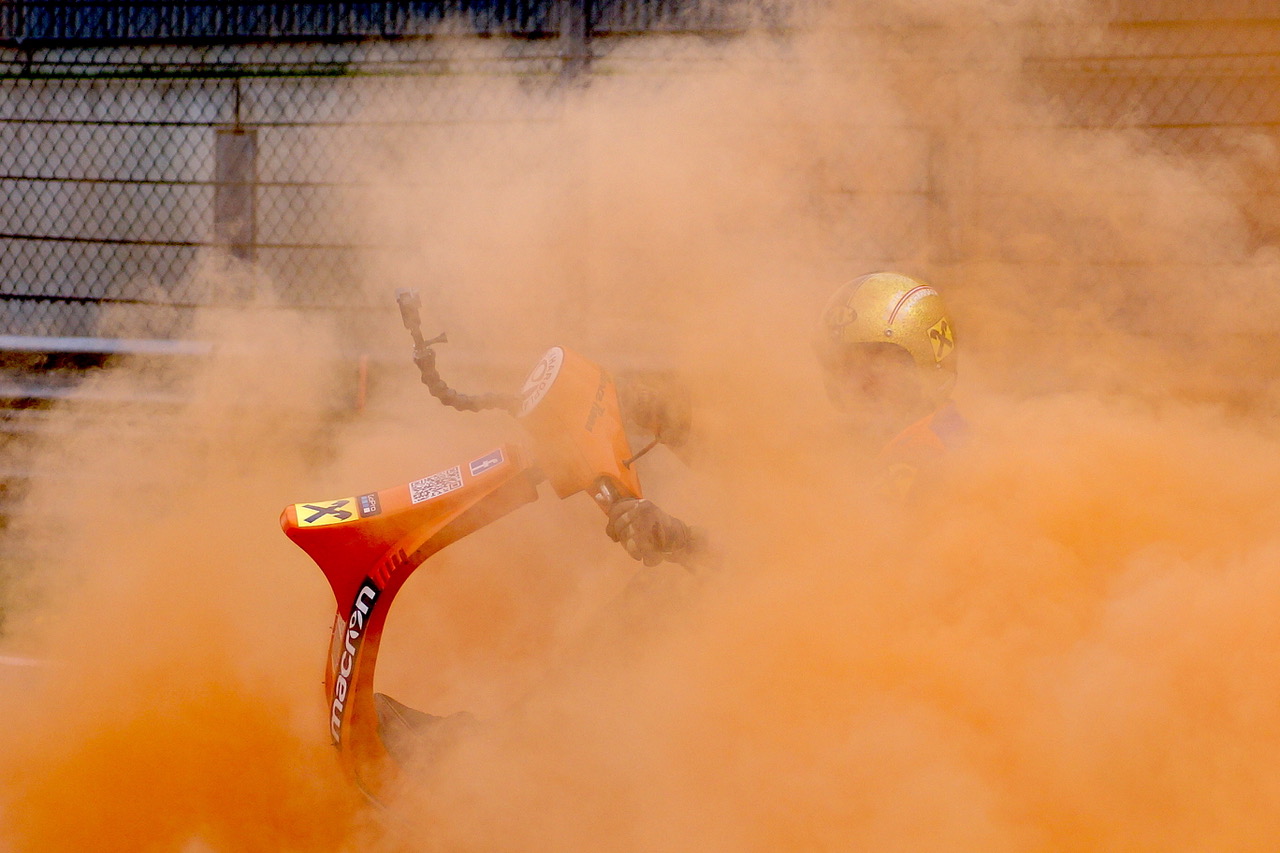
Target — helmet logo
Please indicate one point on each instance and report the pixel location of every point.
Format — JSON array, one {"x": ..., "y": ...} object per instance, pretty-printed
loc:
[
  {"x": 842, "y": 316},
  {"x": 942, "y": 339}
]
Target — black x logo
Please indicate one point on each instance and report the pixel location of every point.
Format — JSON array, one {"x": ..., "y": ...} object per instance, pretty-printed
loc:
[
  {"x": 943, "y": 343},
  {"x": 335, "y": 509}
]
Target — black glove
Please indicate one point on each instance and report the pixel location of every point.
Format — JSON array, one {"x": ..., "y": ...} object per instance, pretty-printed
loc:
[{"x": 649, "y": 534}]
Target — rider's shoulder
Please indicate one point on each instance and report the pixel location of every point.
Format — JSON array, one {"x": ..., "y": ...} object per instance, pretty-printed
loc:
[
  {"x": 938, "y": 432},
  {"x": 949, "y": 426}
]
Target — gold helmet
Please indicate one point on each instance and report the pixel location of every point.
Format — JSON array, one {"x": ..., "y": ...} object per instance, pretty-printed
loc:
[{"x": 894, "y": 309}]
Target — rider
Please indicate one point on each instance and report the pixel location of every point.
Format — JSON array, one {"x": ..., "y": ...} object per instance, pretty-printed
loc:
[{"x": 888, "y": 354}]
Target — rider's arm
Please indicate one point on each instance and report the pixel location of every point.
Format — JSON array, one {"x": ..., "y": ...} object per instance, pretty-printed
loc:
[{"x": 659, "y": 404}]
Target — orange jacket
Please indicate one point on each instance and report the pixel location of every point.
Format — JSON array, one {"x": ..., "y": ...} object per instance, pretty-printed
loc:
[{"x": 920, "y": 447}]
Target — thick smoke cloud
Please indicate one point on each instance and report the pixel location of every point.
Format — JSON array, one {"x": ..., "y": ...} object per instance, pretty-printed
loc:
[{"x": 1063, "y": 644}]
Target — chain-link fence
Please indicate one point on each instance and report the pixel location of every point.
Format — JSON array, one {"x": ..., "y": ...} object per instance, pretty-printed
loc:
[
  {"x": 259, "y": 21},
  {"x": 1199, "y": 79},
  {"x": 135, "y": 137},
  {"x": 119, "y": 167}
]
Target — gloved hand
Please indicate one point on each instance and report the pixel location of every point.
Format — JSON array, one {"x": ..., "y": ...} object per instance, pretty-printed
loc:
[{"x": 647, "y": 532}]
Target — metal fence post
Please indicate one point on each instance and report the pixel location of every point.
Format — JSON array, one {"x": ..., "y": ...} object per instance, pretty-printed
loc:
[
  {"x": 939, "y": 192},
  {"x": 235, "y": 187},
  {"x": 575, "y": 36}
]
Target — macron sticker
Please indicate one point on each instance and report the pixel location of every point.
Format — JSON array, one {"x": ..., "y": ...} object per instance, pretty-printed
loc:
[{"x": 484, "y": 463}]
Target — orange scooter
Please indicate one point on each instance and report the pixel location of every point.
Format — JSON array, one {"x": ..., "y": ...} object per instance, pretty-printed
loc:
[{"x": 368, "y": 545}]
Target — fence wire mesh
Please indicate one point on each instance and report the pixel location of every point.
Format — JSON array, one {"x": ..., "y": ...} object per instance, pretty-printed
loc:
[
  {"x": 119, "y": 21},
  {"x": 1198, "y": 80},
  {"x": 112, "y": 161},
  {"x": 123, "y": 161}
]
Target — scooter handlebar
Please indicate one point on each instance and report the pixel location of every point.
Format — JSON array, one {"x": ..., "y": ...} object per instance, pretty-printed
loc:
[{"x": 606, "y": 493}]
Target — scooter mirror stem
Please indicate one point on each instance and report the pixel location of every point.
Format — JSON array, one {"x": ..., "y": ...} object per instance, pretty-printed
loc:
[
  {"x": 420, "y": 346},
  {"x": 410, "y": 314}
]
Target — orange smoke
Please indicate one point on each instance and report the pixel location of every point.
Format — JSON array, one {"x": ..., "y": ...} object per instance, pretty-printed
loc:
[
  {"x": 184, "y": 762},
  {"x": 1063, "y": 645}
]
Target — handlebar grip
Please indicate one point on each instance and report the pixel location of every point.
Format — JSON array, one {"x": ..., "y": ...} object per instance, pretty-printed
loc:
[{"x": 606, "y": 493}]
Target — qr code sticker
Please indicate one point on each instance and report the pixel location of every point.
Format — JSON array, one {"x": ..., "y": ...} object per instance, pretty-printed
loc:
[{"x": 436, "y": 485}]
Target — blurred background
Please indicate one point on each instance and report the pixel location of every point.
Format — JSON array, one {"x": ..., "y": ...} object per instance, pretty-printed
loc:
[
  {"x": 137, "y": 136},
  {"x": 206, "y": 207}
]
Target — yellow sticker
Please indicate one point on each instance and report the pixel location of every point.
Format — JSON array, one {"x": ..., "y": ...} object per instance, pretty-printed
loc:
[
  {"x": 898, "y": 481},
  {"x": 321, "y": 513},
  {"x": 943, "y": 342}
]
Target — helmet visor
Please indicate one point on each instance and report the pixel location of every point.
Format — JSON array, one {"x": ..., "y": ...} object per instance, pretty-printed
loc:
[{"x": 870, "y": 374}]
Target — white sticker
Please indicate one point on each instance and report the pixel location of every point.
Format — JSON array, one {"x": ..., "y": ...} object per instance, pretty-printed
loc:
[
  {"x": 540, "y": 379},
  {"x": 436, "y": 485}
]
